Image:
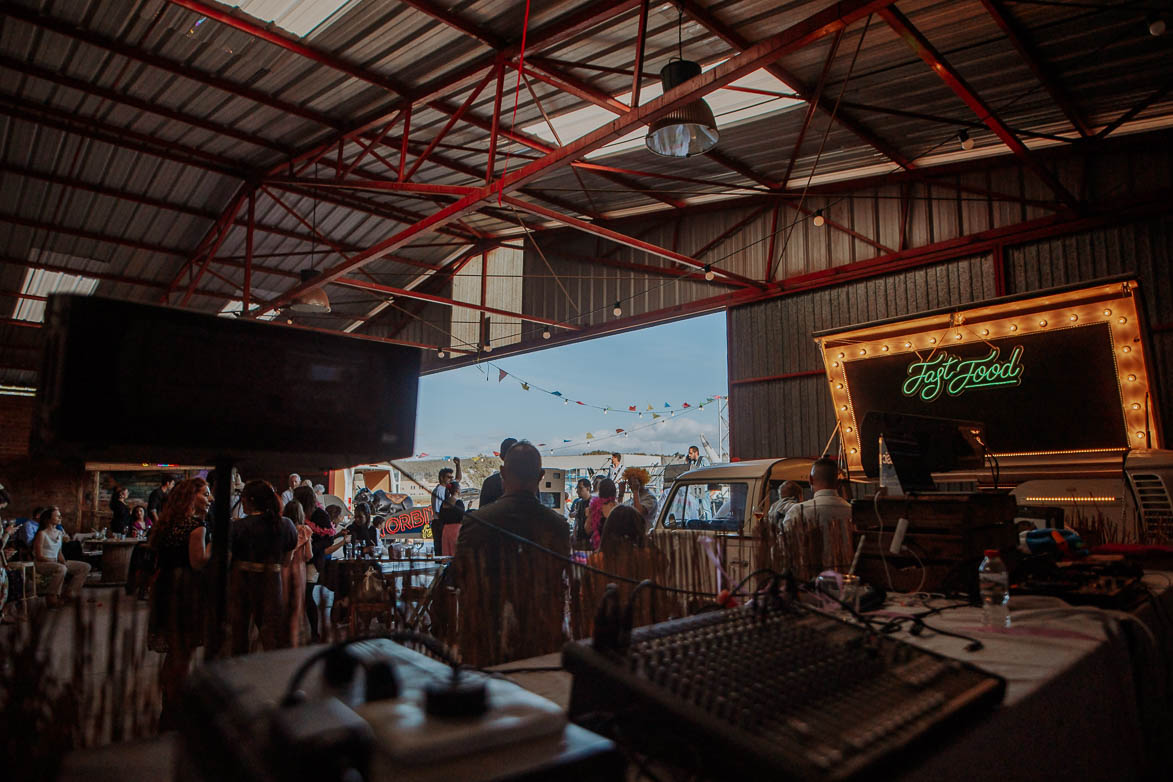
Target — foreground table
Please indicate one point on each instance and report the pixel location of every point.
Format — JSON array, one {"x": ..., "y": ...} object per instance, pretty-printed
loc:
[{"x": 1083, "y": 699}]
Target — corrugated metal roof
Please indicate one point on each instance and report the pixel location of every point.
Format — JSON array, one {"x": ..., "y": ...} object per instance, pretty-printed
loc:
[{"x": 133, "y": 179}]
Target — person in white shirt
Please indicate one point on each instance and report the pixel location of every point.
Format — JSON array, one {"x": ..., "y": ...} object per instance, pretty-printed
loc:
[
  {"x": 826, "y": 513},
  {"x": 614, "y": 467},
  {"x": 287, "y": 495},
  {"x": 49, "y": 560}
]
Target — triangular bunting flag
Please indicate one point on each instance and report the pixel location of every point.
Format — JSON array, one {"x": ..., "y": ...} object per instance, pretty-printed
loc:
[
  {"x": 580, "y": 403},
  {"x": 668, "y": 405},
  {"x": 497, "y": 453},
  {"x": 525, "y": 386},
  {"x": 655, "y": 416},
  {"x": 501, "y": 374},
  {"x": 632, "y": 408},
  {"x": 556, "y": 393},
  {"x": 590, "y": 436},
  {"x": 651, "y": 408},
  {"x": 566, "y": 441},
  {"x": 618, "y": 431},
  {"x": 686, "y": 404}
]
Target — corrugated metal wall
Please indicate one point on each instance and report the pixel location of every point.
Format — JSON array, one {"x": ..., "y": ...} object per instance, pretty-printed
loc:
[
  {"x": 792, "y": 416},
  {"x": 1144, "y": 249}
]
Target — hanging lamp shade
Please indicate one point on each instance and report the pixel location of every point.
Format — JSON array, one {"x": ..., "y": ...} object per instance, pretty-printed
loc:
[
  {"x": 688, "y": 130},
  {"x": 311, "y": 300}
]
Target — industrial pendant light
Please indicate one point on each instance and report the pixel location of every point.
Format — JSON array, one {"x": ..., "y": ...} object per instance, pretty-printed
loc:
[
  {"x": 690, "y": 129},
  {"x": 312, "y": 300}
]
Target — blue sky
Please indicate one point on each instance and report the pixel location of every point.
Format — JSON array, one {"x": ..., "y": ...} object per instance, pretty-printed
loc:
[{"x": 467, "y": 411}]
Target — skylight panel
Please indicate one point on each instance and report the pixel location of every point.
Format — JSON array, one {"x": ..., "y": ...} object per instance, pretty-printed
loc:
[
  {"x": 300, "y": 17},
  {"x": 233, "y": 309},
  {"x": 750, "y": 97},
  {"x": 38, "y": 282}
]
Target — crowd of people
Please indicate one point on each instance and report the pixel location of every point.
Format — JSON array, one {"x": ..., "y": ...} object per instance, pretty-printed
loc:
[{"x": 39, "y": 539}]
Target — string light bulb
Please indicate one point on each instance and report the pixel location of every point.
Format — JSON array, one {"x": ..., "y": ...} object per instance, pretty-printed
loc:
[
  {"x": 1132, "y": 377},
  {"x": 1122, "y": 320},
  {"x": 1126, "y": 349},
  {"x": 545, "y": 333},
  {"x": 1042, "y": 324},
  {"x": 1107, "y": 313},
  {"x": 710, "y": 275},
  {"x": 885, "y": 348},
  {"x": 617, "y": 310},
  {"x": 957, "y": 336},
  {"x": 1073, "y": 317},
  {"x": 488, "y": 348},
  {"x": 1014, "y": 327},
  {"x": 1136, "y": 405},
  {"x": 440, "y": 353},
  {"x": 1157, "y": 26},
  {"x": 985, "y": 332},
  {"x": 818, "y": 219},
  {"x": 966, "y": 142}
]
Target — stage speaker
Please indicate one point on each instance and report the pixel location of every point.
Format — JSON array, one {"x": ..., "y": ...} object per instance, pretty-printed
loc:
[{"x": 127, "y": 382}]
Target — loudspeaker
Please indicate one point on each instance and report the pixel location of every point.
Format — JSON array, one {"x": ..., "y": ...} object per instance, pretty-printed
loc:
[{"x": 128, "y": 382}]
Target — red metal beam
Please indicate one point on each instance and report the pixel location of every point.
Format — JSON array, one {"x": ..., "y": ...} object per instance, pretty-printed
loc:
[
  {"x": 93, "y": 235},
  {"x": 224, "y": 227},
  {"x": 640, "y": 47},
  {"x": 271, "y": 34},
  {"x": 812, "y": 104},
  {"x": 1032, "y": 230},
  {"x": 405, "y": 293},
  {"x": 185, "y": 70},
  {"x": 1030, "y": 54},
  {"x": 151, "y": 107},
  {"x": 248, "y": 253},
  {"x": 456, "y": 115},
  {"x": 572, "y": 85},
  {"x": 376, "y": 185},
  {"x": 726, "y": 33},
  {"x": 624, "y": 239},
  {"x": 494, "y": 127},
  {"x": 365, "y": 148},
  {"x": 825, "y": 22},
  {"x": 935, "y": 60},
  {"x": 432, "y": 284}
]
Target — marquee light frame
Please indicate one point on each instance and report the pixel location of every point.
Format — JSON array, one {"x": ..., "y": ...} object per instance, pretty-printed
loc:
[{"x": 1112, "y": 302}]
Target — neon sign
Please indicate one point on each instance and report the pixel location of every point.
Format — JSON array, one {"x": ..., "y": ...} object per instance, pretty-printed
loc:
[{"x": 955, "y": 375}]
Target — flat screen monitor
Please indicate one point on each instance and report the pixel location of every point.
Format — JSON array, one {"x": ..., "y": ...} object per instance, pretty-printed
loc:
[{"x": 123, "y": 381}]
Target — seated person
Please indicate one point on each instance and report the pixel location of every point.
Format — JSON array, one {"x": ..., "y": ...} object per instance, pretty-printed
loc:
[
  {"x": 50, "y": 561},
  {"x": 512, "y": 594},
  {"x": 625, "y": 551}
]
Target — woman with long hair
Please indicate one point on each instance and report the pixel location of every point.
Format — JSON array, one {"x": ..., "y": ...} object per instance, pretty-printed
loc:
[
  {"x": 293, "y": 575},
  {"x": 323, "y": 524},
  {"x": 177, "y": 621},
  {"x": 262, "y": 542},
  {"x": 49, "y": 561},
  {"x": 599, "y": 509}
]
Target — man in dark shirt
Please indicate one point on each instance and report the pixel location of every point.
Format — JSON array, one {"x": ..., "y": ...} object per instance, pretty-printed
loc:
[
  {"x": 156, "y": 498},
  {"x": 512, "y": 595},
  {"x": 493, "y": 488}
]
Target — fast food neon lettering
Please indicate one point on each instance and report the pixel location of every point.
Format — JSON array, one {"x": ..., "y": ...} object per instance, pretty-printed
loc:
[{"x": 955, "y": 375}]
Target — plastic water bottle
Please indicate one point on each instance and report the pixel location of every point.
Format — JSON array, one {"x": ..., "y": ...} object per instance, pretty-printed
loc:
[{"x": 994, "y": 583}]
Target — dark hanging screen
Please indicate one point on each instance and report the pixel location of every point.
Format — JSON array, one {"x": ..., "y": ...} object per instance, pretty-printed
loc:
[{"x": 1047, "y": 391}]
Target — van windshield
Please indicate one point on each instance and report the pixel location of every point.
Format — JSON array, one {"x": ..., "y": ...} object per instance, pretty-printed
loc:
[{"x": 707, "y": 506}]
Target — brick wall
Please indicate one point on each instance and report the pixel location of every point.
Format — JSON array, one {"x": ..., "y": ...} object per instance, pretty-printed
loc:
[{"x": 16, "y": 421}]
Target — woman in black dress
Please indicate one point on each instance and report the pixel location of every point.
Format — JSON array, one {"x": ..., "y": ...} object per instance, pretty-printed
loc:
[
  {"x": 120, "y": 521},
  {"x": 177, "y": 620},
  {"x": 261, "y": 543}
]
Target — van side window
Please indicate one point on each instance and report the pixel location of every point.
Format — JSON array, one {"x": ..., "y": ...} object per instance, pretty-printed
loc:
[{"x": 707, "y": 506}]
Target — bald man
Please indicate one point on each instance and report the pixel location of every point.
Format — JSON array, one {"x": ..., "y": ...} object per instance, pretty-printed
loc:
[{"x": 518, "y": 510}]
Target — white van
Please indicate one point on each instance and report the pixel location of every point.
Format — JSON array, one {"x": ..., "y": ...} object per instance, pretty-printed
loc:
[{"x": 712, "y": 513}]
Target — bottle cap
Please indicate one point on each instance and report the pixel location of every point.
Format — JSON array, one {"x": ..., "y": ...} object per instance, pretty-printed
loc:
[{"x": 993, "y": 552}]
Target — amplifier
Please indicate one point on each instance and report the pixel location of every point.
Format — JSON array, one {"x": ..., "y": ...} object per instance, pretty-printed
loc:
[{"x": 780, "y": 691}]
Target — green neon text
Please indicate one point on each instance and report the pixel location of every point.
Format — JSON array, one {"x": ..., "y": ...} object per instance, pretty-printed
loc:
[{"x": 955, "y": 375}]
